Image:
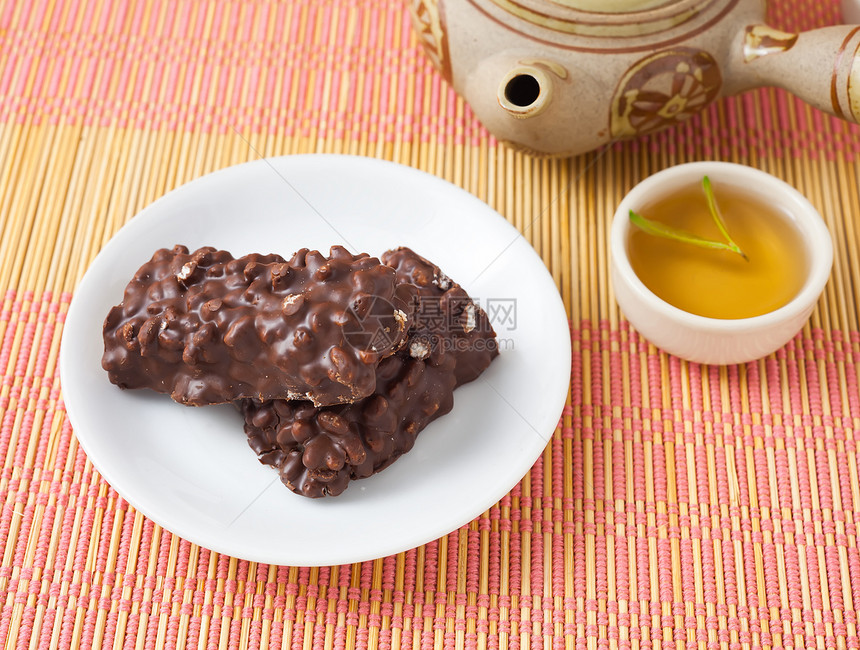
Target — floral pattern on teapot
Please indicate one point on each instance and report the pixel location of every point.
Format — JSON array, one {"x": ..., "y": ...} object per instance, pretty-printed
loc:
[{"x": 662, "y": 89}]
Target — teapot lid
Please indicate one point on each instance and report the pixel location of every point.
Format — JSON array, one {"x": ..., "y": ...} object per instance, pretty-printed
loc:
[
  {"x": 601, "y": 23},
  {"x": 614, "y": 6}
]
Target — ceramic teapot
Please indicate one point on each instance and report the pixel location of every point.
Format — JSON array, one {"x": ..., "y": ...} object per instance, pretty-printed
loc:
[{"x": 562, "y": 77}]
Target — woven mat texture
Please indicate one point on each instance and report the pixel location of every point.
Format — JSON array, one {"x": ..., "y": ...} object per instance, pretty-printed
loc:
[{"x": 677, "y": 505}]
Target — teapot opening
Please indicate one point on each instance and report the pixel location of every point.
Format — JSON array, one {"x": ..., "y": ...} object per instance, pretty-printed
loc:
[
  {"x": 525, "y": 91},
  {"x": 522, "y": 90}
]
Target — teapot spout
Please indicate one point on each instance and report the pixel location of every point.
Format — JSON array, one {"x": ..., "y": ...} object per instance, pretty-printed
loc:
[{"x": 821, "y": 66}]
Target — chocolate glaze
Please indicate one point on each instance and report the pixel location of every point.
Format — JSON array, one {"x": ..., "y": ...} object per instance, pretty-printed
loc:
[
  {"x": 318, "y": 451},
  {"x": 208, "y": 328}
]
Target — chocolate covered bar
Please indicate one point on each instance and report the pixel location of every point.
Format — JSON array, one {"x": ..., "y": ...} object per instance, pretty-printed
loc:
[
  {"x": 208, "y": 328},
  {"x": 318, "y": 451}
]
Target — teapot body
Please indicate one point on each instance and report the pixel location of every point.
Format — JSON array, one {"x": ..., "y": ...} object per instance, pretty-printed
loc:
[{"x": 560, "y": 78}]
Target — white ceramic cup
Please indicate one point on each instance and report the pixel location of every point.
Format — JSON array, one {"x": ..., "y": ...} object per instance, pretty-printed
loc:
[{"x": 713, "y": 340}]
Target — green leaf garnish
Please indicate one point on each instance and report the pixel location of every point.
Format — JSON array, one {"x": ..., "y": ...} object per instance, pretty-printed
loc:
[
  {"x": 718, "y": 217},
  {"x": 659, "y": 229}
]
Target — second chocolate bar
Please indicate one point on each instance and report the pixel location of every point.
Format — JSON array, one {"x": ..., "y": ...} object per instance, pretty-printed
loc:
[{"x": 318, "y": 451}]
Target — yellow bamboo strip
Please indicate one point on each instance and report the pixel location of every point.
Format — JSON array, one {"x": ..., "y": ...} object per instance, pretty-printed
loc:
[
  {"x": 504, "y": 575},
  {"x": 355, "y": 583},
  {"x": 440, "y": 587},
  {"x": 310, "y": 604},
  {"x": 420, "y": 591},
  {"x": 484, "y": 595}
]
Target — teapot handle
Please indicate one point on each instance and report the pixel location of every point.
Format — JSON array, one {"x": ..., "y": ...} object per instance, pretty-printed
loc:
[{"x": 821, "y": 66}]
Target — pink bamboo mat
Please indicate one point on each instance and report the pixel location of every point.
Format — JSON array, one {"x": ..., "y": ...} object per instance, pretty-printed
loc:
[{"x": 676, "y": 505}]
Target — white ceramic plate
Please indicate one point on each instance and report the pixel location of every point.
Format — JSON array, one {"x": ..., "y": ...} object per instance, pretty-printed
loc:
[{"x": 191, "y": 470}]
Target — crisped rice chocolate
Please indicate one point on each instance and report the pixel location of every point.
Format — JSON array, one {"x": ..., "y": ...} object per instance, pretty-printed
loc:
[
  {"x": 208, "y": 328},
  {"x": 318, "y": 451}
]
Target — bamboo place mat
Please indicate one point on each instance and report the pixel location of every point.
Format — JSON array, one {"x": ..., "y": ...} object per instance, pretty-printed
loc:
[{"x": 676, "y": 504}]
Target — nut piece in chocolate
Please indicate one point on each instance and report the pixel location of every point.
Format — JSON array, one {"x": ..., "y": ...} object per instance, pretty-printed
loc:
[
  {"x": 318, "y": 451},
  {"x": 208, "y": 328}
]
